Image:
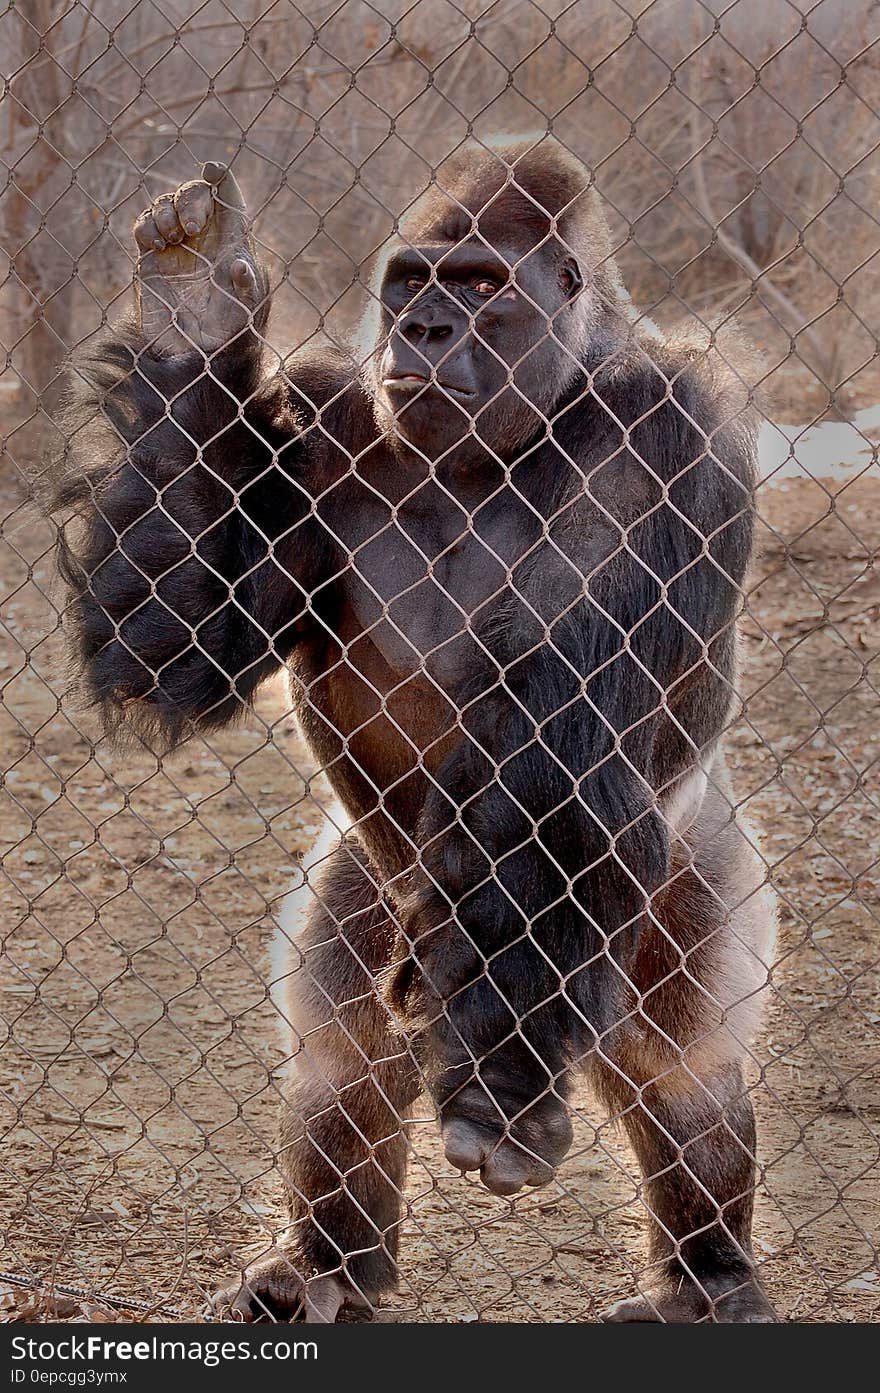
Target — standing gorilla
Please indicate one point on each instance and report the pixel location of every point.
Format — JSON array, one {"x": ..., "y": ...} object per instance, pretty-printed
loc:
[{"x": 502, "y": 564}]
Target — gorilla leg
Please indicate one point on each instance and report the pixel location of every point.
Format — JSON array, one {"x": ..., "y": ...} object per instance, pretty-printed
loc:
[
  {"x": 695, "y": 1144},
  {"x": 343, "y": 1147},
  {"x": 676, "y": 1079}
]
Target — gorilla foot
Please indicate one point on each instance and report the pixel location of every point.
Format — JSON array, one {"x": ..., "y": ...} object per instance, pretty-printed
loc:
[
  {"x": 526, "y": 1151},
  {"x": 273, "y": 1290},
  {"x": 714, "y": 1300}
]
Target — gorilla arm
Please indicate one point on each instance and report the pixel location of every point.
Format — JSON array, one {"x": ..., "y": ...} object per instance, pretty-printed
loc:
[
  {"x": 183, "y": 470},
  {"x": 531, "y": 899}
]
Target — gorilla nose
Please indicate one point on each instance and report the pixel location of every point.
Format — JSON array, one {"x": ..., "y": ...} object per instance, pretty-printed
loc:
[{"x": 428, "y": 325}]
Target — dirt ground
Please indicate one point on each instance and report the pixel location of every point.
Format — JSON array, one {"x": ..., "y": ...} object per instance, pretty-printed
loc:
[{"x": 138, "y": 1084}]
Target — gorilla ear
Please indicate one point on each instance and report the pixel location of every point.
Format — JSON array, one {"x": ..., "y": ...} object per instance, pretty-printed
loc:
[{"x": 570, "y": 277}]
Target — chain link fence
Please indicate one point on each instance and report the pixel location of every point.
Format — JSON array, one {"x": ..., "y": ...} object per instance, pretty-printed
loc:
[{"x": 482, "y": 966}]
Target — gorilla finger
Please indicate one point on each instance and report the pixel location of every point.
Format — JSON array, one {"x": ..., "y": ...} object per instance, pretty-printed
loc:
[
  {"x": 244, "y": 279},
  {"x": 467, "y": 1144},
  {"x": 246, "y": 1307},
  {"x": 249, "y": 1308},
  {"x": 146, "y": 233},
  {"x": 224, "y": 184},
  {"x": 510, "y": 1168},
  {"x": 323, "y": 1300},
  {"x": 232, "y": 209},
  {"x": 194, "y": 203},
  {"x": 165, "y": 218},
  {"x": 221, "y": 1304},
  {"x": 632, "y": 1312}
]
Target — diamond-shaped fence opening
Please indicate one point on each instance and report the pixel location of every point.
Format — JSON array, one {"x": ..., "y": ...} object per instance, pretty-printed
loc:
[{"x": 420, "y": 702}]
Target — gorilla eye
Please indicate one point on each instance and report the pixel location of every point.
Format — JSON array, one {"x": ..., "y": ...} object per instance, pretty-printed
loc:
[{"x": 485, "y": 287}]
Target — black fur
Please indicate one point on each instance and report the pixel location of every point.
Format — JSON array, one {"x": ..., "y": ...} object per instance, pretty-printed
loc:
[{"x": 180, "y": 600}]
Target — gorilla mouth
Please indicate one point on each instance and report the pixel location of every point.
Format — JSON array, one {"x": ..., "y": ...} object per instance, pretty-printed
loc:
[{"x": 414, "y": 381}]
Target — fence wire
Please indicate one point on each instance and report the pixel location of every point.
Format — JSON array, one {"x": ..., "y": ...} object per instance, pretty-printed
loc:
[{"x": 389, "y": 892}]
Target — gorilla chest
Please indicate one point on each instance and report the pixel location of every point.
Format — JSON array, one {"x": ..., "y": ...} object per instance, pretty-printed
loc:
[{"x": 421, "y": 583}]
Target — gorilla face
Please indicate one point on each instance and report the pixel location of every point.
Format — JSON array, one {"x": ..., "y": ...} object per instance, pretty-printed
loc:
[{"x": 469, "y": 347}]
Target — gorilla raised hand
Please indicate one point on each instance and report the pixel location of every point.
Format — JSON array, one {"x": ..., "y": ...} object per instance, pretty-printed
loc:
[
  {"x": 502, "y": 562},
  {"x": 198, "y": 283}
]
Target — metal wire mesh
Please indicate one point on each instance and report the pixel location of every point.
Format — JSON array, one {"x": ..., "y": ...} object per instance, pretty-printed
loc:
[{"x": 159, "y": 998}]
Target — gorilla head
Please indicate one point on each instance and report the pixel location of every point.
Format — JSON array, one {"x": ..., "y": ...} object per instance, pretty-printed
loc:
[{"x": 498, "y": 283}]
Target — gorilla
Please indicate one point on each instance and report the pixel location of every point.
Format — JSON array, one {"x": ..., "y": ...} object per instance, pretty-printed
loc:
[{"x": 500, "y": 552}]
